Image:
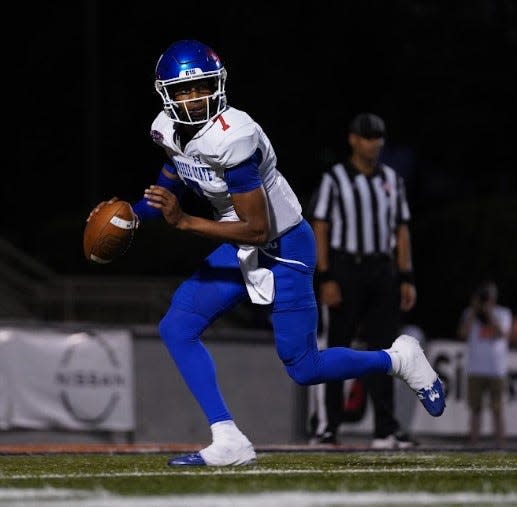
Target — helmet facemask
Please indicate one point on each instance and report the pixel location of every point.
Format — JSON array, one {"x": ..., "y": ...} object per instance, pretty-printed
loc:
[{"x": 178, "y": 111}]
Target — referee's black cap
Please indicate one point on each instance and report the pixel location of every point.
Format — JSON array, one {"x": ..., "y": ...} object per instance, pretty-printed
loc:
[{"x": 368, "y": 125}]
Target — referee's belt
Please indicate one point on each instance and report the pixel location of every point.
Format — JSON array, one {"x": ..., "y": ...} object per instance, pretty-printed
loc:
[{"x": 357, "y": 258}]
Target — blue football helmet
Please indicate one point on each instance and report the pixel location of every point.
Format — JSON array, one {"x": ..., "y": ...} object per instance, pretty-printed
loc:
[{"x": 185, "y": 61}]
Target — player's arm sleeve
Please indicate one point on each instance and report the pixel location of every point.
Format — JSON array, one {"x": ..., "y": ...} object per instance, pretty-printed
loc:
[
  {"x": 167, "y": 178},
  {"x": 244, "y": 176}
]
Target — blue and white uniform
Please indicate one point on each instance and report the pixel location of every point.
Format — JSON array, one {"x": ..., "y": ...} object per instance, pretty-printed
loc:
[
  {"x": 231, "y": 154},
  {"x": 232, "y": 138}
]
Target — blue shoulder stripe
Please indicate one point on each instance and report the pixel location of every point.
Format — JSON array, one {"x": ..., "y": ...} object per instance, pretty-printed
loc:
[{"x": 244, "y": 176}]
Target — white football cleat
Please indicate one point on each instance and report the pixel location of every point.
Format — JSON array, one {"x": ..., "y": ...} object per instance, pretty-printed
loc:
[
  {"x": 232, "y": 452},
  {"x": 410, "y": 364}
]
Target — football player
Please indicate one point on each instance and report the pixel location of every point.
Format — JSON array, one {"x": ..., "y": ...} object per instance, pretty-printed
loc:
[{"x": 267, "y": 253}]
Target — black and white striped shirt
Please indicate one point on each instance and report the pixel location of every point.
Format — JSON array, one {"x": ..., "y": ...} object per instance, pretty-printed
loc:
[{"x": 363, "y": 211}]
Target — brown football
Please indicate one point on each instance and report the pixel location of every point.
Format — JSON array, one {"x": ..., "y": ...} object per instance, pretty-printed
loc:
[{"x": 109, "y": 232}]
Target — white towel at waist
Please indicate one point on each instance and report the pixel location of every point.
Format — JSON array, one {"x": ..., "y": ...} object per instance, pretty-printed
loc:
[{"x": 260, "y": 282}]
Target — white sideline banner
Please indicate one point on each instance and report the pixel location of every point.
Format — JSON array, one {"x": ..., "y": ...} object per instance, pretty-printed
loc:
[
  {"x": 50, "y": 379},
  {"x": 448, "y": 358}
]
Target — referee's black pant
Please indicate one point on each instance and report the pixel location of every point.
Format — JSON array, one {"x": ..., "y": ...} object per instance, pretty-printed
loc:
[{"x": 370, "y": 312}]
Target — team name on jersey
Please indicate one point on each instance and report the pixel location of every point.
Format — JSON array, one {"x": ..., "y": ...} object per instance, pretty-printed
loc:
[{"x": 197, "y": 172}]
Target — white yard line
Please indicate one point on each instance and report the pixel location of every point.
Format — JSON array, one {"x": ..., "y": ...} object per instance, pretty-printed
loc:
[
  {"x": 61, "y": 498},
  {"x": 258, "y": 471}
]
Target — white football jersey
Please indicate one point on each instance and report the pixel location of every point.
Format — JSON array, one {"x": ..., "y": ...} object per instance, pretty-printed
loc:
[{"x": 222, "y": 143}]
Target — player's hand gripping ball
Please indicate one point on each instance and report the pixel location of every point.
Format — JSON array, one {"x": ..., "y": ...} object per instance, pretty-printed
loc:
[{"x": 109, "y": 231}]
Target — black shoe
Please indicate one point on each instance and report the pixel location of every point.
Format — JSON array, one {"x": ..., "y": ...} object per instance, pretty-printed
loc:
[{"x": 328, "y": 437}]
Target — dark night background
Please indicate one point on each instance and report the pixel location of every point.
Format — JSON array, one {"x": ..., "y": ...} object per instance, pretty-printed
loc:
[{"x": 439, "y": 73}]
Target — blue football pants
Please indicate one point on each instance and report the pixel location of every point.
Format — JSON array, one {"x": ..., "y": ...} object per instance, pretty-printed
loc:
[{"x": 218, "y": 286}]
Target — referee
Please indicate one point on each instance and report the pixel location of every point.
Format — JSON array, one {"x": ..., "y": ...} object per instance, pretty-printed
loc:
[{"x": 360, "y": 217}]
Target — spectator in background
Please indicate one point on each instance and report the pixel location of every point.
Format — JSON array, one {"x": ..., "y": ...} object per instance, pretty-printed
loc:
[
  {"x": 360, "y": 217},
  {"x": 486, "y": 327}
]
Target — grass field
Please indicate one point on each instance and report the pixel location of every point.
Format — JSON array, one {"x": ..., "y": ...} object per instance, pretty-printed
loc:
[{"x": 279, "y": 478}]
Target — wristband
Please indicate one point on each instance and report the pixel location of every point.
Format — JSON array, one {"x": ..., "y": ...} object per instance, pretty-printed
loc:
[
  {"x": 145, "y": 212},
  {"x": 407, "y": 277}
]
